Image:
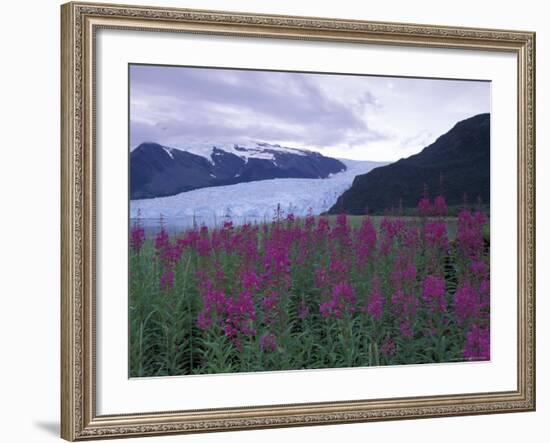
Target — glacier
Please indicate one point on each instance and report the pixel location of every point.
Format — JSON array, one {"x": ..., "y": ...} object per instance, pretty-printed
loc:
[{"x": 248, "y": 202}]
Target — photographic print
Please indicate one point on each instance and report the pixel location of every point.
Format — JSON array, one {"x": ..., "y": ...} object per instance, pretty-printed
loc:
[
  {"x": 255, "y": 205},
  {"x": 301, "y": 220}
]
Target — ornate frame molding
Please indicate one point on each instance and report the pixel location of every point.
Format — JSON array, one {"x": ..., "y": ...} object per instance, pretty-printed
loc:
[{"x": 79, "y": 23}]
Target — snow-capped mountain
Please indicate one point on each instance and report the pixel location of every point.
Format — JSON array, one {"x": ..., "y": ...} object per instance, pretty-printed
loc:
[
  {"x": 157, "y": 170},
  {"x": 249, "y": 202},
  {"x": 244, "y": 148}
]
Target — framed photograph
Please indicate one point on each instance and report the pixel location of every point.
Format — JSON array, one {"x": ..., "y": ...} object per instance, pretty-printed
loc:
[{"x": 283, "y": 221}]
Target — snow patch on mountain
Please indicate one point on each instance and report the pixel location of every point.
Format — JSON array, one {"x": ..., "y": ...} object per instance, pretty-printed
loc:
[
  {"x": 245, "y": 149},
  {"x": 253, "y": 201},
  {"x": 169, "y": 152}
]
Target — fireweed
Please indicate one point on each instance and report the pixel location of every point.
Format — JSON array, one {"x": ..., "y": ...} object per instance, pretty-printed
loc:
[
  {"x": 137, "y": 237},
  {"x": 312, "y": 292}
]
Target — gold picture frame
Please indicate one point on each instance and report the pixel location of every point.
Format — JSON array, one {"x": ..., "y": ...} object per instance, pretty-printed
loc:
[{"x": 79, "y": 22}]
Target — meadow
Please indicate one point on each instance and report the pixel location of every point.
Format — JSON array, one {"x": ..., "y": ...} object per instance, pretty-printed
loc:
[{"x": 312, "y": 292}]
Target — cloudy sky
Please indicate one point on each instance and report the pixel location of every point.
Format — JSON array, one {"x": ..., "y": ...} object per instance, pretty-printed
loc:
[{"x": 346, "y": 116}]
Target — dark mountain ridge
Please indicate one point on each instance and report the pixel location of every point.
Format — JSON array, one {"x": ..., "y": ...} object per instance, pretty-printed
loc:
[
  {"x": 458, "y": 162},
  {"x": 158, "y": 171}
]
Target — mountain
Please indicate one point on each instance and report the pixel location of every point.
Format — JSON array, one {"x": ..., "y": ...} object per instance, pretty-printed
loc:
[
  {"x": 157, "y": 171},
  {"x": 458, "y": 161}
]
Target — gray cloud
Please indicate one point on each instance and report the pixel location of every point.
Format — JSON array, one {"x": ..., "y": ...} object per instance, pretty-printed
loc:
[
  {"x": 191, "y": 103},
  {"x": 362, "y": 117}
]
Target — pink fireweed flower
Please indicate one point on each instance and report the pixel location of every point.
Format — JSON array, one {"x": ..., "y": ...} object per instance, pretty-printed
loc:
[
  {"x": 216, "y": 240},
  {"x": 344, "y": 295},
  {"x": 388, "y": 347},
  {"x": 310, "y": 220},
  {"x": 250, "y": 280},
  {"x": 469, "y": 235},
  {"x": 433, "y": 293},
  {"x": 478, "y": 343},
  {"x": 376, "y": 301},
  {"x": 247, "y": 247},
  {"x": 277, "y": 259},
  {"x": 466, "y": 303},
  {"x": 169, "y": 256},
  {"x": 406, "y": 329},
  {"x": 203, "y": 247},
  {"x": 425, "y": 207},
  {"x": 366, "y": 241},
  {"x": 409, "y": 274},
  {"x": 322, "y": 229},
  {"x": 219, "y": 274},
  {"x": 435, "y": 233},
  {"x": 227, "y": 237},
  {"x": 204, "y": 320},
  {"x": 192, "y": 237},
  {"x": 162, "y": 241},
  {"x": 137, "y": 237},
  {"x": 392, "y": 227},
  {"x": 202, "y": 279},
  {"x": 404, "y": 272},
  {"x": 270, "y": 300},
  {"x": 303, "y": 310},
  {"x": 481, "y": 218},
  {"x": 167, "y": 280},
  {"x": 321, "y": 277},
  {"x": 232, "y": 333},
  {"x": 182, "y": 243},
  {"x": 339, "y": 268},
  {"x": 440, "y": 206},
  {"x": 327, "y": 308},
  {"x": 214, "y": 305},
  {"x": 343, "y": 301},
  {"x": 341, "y": 231},
  {"x": 386, "y": 246},
  {"x": 270, "y": 307},
  {"x": 241, "y": 315},
  {"x": 403, "y": 304},
  {"x": 479, "y": 269},
  {"x": 268, "y": 343},
  {"x": 168, "y": 253},
  {"x": 303, "y": 246},
  {"x": 484, "y": 290},
  {"x": 411, "y": 239}
]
